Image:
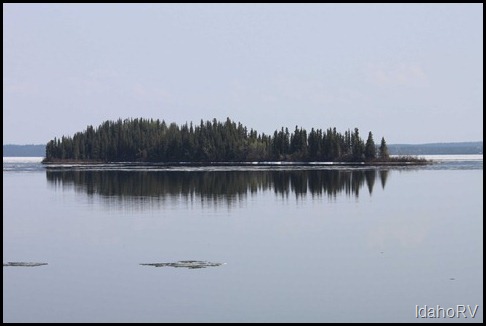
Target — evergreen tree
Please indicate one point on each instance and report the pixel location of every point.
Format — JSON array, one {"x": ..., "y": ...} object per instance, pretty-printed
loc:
[
  {"x": 370, "y": 148},
  {"x": 383, "y": 152},
  {"x": 358, "y": 146}
]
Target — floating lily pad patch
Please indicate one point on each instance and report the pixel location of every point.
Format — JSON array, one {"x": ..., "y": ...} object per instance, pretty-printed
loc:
[
  {"x": 23, "y": 264},
  {"x": 191, "y": 264}
]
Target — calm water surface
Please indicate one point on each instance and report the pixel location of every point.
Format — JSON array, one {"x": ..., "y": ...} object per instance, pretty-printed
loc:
[{"x": 312, "y": 244}]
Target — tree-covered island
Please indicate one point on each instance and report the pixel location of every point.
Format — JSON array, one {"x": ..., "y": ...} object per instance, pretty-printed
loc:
[{"x": 148, "y": 140}]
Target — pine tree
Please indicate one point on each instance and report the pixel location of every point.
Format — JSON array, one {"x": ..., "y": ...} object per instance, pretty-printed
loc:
[
  {"x": 358, "y": 146},
  {"x": 370, "y": 149},
  {"x": 383, "y": 150}
]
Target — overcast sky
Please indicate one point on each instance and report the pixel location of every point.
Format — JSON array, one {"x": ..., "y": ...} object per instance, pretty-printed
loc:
[{"x": 411, "y": 73}]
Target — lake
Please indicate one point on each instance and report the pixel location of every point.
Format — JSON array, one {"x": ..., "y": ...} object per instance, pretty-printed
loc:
[{"x": 296, "y": 244}]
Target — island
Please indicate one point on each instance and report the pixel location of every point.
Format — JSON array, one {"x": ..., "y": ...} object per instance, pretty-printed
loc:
[{"x": 154, "y": 141}]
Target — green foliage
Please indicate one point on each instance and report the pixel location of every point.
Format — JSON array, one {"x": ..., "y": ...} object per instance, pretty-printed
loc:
[
  {"x": 357, "y": 146},
  {"x": 143, "y": 140},
  {"x": 383, "y": 152},
  {"x": 370, "y": 148}
]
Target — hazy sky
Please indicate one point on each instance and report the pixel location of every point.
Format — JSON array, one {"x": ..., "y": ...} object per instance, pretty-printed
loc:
[{"x": 411, "y": 73}]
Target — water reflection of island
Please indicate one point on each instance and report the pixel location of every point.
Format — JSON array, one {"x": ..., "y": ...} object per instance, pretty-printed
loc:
[{"x": 217, "y": 185}]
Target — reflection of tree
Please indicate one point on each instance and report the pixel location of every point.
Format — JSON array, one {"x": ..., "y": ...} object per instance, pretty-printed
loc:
[
  {"x": 370, "y": 179},
  {"x": 383, "y": 177},
  {"x": 215, "y": 185}
]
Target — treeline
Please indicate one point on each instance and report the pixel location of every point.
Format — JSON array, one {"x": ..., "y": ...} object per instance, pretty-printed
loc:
[{"x": 148, "y": 140}]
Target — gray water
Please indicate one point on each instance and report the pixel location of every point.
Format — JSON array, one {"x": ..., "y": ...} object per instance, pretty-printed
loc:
[{"x": 296, "y": 244}]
